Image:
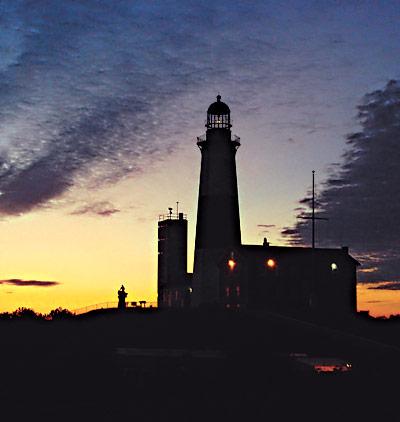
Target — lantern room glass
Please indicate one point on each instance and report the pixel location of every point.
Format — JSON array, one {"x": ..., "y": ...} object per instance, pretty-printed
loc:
[{"x": 218, "y": 121}]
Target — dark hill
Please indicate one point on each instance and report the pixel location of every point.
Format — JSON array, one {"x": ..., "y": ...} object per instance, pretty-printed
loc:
[{"x": 189, "y": 366}]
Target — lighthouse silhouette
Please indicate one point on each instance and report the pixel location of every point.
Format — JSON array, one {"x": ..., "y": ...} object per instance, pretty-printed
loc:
[{"x": 218, "y": 221}]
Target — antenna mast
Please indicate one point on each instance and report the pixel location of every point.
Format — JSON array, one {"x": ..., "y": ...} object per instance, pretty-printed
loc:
[
  {"x": 313, "y": 217},
  {"x": 313, "y": 209}
]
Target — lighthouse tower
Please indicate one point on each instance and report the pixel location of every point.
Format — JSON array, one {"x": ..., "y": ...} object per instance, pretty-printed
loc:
[{"x": 218, "y": 223}]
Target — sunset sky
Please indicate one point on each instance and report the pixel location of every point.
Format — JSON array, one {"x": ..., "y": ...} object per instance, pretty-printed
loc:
[{"x": 100, "y": 105}]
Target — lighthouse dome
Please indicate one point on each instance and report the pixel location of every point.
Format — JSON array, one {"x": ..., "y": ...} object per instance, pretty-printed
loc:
[
  {"x": 218, "y": 115},
  {"x": 218, "y": 107}
]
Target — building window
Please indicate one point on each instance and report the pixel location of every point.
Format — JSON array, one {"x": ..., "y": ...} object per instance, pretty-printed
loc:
[
  {"x": 238, "y": 291},
  {"x": 227, "y": 291}
]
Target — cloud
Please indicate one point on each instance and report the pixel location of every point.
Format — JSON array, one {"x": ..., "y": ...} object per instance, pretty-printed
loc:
[
  {"x": 266, "y": 228},
  {"x": 361, "y": 197},
  {"x": 103, "y": 209},
  {"x": 38, "y": 283},
  {"x": 91, "y": 93},
  {"x": 394, "y": 285}
]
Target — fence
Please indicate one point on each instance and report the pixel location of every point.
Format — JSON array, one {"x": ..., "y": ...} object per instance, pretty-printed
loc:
[{"x": 114, "y": 305}]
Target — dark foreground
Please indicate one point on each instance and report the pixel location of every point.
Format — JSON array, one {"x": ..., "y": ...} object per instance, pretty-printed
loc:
[{"x": 192, "y": 366}]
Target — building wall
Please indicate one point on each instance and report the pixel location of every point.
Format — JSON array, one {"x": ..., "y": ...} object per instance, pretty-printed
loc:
[
  {"x": 173, "y": 281},
  {"x": 302, "y": 280}
]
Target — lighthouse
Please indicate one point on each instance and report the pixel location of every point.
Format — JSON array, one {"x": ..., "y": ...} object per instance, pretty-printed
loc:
[
  {"x": 218, "y": 221},
  {"x": 233, "y": 276}
]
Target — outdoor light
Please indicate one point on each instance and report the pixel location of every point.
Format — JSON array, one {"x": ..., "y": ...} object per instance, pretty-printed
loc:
[
  {"x": 231, "y": 264},
  {"x": 334, "y": 266},
  {"x": 271, "y": 263}
]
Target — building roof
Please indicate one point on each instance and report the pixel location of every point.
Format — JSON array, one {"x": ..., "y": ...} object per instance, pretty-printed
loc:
[{"x": 287, "y": 250}]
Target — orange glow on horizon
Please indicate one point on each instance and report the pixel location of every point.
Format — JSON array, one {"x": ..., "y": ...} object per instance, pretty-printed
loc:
[{"x": 378, "y": 301}]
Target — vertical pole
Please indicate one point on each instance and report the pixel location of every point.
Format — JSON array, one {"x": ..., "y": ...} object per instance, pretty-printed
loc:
[
  {"x": 177, "y": 208},
  {"x": 313, "y": 210}
]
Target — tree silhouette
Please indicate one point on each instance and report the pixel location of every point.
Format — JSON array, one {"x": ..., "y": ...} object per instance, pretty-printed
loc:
[
  {"x": 26, "y": 313},
  {"x": 60, "y": 313}
]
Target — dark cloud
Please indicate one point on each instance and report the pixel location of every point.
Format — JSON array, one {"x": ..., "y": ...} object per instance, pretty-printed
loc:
[
  {"x": 36, "y": 283},
  {"x": 267, "y": 226},
  {"x": 103, "y": 209},
  {"x": 394, "y": 285},
  {"x": 287, "y": 231},
  {"x": 362, "y": 197}
]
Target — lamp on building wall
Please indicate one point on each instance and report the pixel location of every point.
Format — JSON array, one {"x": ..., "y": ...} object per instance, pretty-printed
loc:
[{"x": 231, "y": 264}]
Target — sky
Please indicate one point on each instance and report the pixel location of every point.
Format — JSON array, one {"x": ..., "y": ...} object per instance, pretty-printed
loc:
[{"x": 100, "y": 106}]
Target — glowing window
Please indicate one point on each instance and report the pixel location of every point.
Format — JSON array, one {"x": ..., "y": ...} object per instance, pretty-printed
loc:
[
  {"x": 271, "y": 263},
  {"x": 227, "y": 291},
  {"x": 237, "y": 290},
  {"x": 334, "y": 266},
  {"x": 231, "y": 264}
]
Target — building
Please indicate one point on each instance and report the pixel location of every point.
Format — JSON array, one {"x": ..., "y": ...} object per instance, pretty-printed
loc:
[
  {"x": 288, "y": 279},
  {"x": 232, "y": 275},
  {"x": 173, "y": 281}
]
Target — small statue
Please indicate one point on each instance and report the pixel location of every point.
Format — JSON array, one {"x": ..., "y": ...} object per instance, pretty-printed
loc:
[{"x": 121, "y": 297}]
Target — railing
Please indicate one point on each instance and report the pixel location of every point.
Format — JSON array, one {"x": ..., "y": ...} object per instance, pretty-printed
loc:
[
  {"x": 230, "y": 121},
  {"x": 236, "y": 138},
  {"x": 114, "y": 305},
  {"x": 202, "y": 138},
  {"x": 172, "y": 216}
]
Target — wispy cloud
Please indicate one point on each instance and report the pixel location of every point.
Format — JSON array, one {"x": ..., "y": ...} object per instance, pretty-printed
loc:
[
  {"x": 102, "y": 209},
  {"x": 37, "y": 283},
  {"x": 89, "y": 90},
  {"x": 93, "y": 92},
  {"x": 265, "y": 228},
  {"x": 393, "y": 285}
]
